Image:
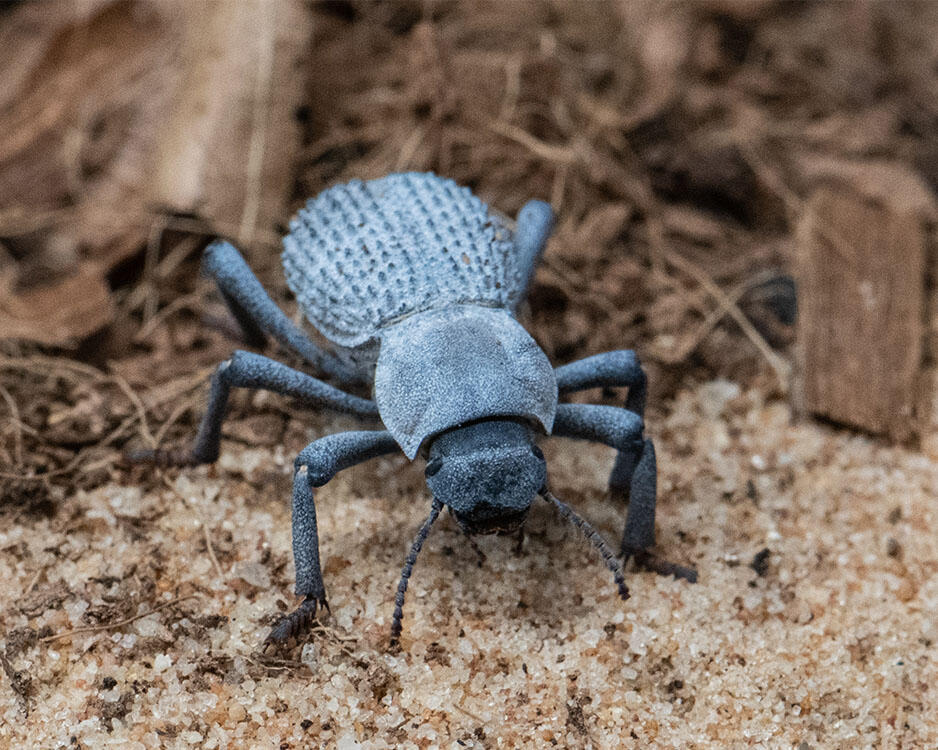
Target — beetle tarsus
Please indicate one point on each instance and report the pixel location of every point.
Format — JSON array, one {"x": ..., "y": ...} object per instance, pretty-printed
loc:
[
  {"x": 297, "y": 622},
  {"x": 649, "y": 561}
]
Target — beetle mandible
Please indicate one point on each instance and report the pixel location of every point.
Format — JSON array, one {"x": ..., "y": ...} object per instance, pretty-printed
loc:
[{"x": 416, "y": 282}]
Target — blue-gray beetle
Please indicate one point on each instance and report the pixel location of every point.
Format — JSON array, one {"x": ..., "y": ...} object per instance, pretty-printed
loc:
[{"x": 416, "y": 282}]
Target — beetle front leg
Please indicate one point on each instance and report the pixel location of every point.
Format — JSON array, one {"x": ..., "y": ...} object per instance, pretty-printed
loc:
[
  {"x": 315, "y": 465},
  {"x": 635, "y": 467},
  {"x": 309, "y": 583}
]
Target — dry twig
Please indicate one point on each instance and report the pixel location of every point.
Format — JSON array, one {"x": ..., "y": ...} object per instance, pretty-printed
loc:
[{"x": 17, "y": 425}]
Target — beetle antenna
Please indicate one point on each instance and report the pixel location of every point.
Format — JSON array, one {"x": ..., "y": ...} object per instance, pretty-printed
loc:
[
  {"x": 593, "y": 537},
  {"x": 396, "y": 625}
]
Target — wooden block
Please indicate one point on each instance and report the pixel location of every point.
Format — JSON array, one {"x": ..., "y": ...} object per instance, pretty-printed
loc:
[
  {"x": 861, "y": 280},
  {"x": 928, "y": 412}
]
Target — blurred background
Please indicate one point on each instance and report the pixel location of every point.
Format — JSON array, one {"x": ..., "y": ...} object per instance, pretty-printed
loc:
[{"x": 744, "y": 191}]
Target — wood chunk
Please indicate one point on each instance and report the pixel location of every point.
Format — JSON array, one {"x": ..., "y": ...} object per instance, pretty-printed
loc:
[
  {"x": 861, "y": 277},
  {"x": 228, "y": 142}
]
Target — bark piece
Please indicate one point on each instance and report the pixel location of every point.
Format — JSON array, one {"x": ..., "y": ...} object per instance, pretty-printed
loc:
[
  {"x": 58, "y": 313},
  {"x": 229, "y": 139}
]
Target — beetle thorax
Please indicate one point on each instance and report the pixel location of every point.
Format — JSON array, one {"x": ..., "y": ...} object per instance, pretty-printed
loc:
[{"x": 444, "y": 368}]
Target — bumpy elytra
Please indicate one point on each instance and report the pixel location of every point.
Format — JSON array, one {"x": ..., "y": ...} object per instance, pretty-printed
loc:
[{"x": 416, "y": 283}]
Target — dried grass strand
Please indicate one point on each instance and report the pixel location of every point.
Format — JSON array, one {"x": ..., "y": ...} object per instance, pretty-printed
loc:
[
  {"x": 779, "y": 366},
  {"x": 17, "y": 425},
  {"x": 119, "y": 623}
]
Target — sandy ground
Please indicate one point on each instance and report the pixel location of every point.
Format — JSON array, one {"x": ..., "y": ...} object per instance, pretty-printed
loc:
[
  {"x": 674, "y": 141},
  {"x": 827, "y": 643}
]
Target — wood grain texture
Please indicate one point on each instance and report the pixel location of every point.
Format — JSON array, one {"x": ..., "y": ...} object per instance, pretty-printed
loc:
[
  {"x": 861, "y": 275},
  {"x": 229, "y": 141}
]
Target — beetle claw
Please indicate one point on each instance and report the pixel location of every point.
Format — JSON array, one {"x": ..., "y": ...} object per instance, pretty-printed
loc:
[
  {"x": 296, "y": 622},
  {"x": 651, "y": 562}
]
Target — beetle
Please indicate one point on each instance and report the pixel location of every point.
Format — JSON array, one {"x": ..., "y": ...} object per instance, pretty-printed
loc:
[{"x": 416, "y": 284}]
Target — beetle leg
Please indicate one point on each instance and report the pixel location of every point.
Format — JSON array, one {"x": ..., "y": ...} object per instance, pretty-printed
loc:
[
  {"x": 309, "y": 582},
  {"x": 609, "y": 370},
  {"x": 639, "y": 535},
  {"x": 532, "y": 228},
  {"x": 635, "y": 467},
  {"x": 257, "y": 314},
  {"x": 317, "y": 464},
  {"x": 249, "y": 370},
  {"x": 618, "y": 369}
]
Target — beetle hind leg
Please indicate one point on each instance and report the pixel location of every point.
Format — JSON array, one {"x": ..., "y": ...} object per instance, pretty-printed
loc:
[{"x": 258, "y": 316}]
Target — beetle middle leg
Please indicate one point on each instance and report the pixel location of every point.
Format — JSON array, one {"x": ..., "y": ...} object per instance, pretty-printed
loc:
[
  {"x": 316, "y": 464},
  {"x": 639, "y": 535},
  {"x": 249, "y": 370},
  {"x": 623, "y": 429},
  {"x": 618, "y": 369}
]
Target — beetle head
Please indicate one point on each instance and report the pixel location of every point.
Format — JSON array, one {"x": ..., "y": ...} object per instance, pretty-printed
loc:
[{"x": 487, "y": 473}]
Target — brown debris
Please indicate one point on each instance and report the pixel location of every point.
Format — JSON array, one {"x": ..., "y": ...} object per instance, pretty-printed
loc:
[
  {"x": 118, "y": 624},
  {"x": 68, "y": 310},
  {"x": 20, "y": 682},
  {"x": 112, "y": 112}
]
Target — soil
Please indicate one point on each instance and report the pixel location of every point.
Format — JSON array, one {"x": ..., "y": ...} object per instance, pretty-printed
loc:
[{"x": 671, "y": 141}]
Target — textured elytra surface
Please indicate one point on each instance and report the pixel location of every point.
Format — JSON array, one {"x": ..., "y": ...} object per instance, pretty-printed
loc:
[{"x": 363, "y": 254}]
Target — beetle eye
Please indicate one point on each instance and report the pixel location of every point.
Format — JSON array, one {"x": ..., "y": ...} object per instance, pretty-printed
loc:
[
  {"x": 537, "y": 452},
  {"x": 433, "y": 466}
]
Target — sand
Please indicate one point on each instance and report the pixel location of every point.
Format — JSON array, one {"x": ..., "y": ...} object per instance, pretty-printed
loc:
[{"x": 827, "y": 640}]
